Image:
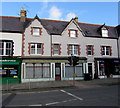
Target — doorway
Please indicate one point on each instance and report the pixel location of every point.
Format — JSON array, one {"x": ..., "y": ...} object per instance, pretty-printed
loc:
[
  {"x": 57, "y": 71},
  {"x": 90, "y": 70}
]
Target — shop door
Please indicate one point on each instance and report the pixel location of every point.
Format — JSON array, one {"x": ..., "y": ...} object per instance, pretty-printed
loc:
[
  {"x": 90, "y": 69},
  {"x": 58, "y": 71}
]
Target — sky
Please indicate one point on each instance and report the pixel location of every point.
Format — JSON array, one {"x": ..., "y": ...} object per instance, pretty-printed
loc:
[{"x": 87, "y": 12}]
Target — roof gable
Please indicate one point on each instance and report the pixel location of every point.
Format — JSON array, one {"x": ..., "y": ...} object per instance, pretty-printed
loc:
[
  {"x": 13, "y": 24},
  {"x": 72, "y": 22}
]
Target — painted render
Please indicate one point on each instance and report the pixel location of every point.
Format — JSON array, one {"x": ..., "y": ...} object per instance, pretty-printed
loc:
[
  {"x": 17, "y": 39},
  {"x": 44, "y": 38}
]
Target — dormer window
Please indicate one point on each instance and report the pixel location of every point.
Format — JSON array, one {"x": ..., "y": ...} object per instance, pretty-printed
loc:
[
  {"x": 36, "y": 31},
  {"x": 73, "y": 33},
  {"x": 104, "y": 32}
]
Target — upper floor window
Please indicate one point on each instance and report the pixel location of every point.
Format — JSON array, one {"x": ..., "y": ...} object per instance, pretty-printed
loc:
[
  {"x": 74, "y": 49},
  {"x": 36, "y": 48},
  {"x": 56, "y": 49},
  {"x": 90, "y": 49},
  {"x": 73, "y": 33},
  {"x": 36, "y": 31},
  {"x": 104, "y": 32},
  {"x": 106, "y": 50},
  {"x": 6, "y": 48}
]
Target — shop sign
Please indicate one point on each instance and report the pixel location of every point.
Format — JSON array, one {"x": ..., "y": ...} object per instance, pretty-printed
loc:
[
  {"x": 101, "y": 61},
  {"x": 116, "y": 61},
  {"x": 7, "y": 60},
  {"x": 101, "y": 64}
]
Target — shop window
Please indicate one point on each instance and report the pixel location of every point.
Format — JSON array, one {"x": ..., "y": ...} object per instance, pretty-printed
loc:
[
  {"x": 9, "y": 70},
  {"x": 6, "y": 48},
  {"x": 69, "y": 70},
  {"x": 39, "y": 70},
  {"x": 116, "y": 69},
  {"x": 101, "y": 68}
]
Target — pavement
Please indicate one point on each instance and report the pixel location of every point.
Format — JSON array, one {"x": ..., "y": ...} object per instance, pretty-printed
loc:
[{"x": 47, "y": 85}]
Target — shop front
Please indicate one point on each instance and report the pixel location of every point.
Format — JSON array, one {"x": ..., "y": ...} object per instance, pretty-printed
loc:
[
  {"x": 10, "y": 70},
  {"x": 106, "y": 68},
  {"x": 50, "y": 69}
]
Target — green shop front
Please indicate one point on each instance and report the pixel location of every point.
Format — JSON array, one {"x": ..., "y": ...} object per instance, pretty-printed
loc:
[{"x": 10, "y": 70}]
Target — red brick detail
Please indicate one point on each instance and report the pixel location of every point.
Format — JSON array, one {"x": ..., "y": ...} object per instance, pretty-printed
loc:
[
  {"x": 101, "y": 50},
  {"x": 23, "y": 44},
  {"x": 59, "y": 49},
  {"x": 52, "y": 49},
  {"x": 79, "y": 50},
  {"x": 93, "y": 50},
  {"x": 69, "y": 32},
  {"x": 68, "y": 49},
  {"x": 42, "y": 48},
  {"x": 29, "y": 48},
  {"x": 86, "y": 49},
  {"x": 110, "y": 50},
  {"x": 76, "y": 33},
  {"x": 31, "y": 31},
  {"x": 40, "y": 31}
]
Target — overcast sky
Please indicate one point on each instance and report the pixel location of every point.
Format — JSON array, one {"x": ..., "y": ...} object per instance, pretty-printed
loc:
[{"x": 87, "y": 12}]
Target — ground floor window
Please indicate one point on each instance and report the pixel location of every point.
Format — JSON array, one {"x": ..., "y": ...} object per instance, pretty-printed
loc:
[
  {"x": 101, "y": 68},
  {"x": 108, "y": 67},
  {"x": 69, "y": 70},
  {"x": 38, "y": 70},
  {"x": 116, "y": 67}
]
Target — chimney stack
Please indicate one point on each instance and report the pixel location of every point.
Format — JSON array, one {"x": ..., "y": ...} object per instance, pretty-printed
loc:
[
  {"x": 76, "y": 19},
  {"x": 22, "y": 15}
]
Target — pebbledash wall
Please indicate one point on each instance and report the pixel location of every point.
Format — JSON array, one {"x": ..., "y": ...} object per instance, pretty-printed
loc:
[{"x": 48, "y": 66}]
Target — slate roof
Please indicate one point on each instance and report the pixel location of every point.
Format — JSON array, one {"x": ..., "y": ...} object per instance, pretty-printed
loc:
[{"x": 13, "y": 24}]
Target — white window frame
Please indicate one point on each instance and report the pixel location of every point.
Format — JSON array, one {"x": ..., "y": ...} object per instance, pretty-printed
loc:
[
  {"x": 104, "y": 33},
  {"x": 36, "y": 49},
  {"x": 73, "y": 33},
  {"x": 56, "y": 50},
  {"x": 73, "y": 50},
  {"x": 105, "y": 50},
  {"x": 36, "y": 33},
  {"x": 90, "y": 50},
  {"x": 4, "y": 48}
]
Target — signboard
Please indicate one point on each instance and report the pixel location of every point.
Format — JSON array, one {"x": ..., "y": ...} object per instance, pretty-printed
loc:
[{"x": 9, "y": 70}]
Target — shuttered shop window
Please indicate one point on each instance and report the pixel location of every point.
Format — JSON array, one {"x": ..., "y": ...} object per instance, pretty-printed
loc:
[
  {"x": 29, "y": 71},
  {"x": 69, "y": 70},
  {"x": 79, "y": 70},
  {"x": 38, "y": 70}
]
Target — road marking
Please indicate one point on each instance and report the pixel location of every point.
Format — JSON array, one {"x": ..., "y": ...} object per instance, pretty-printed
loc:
[
  {"x": 36, "y": 105},
  {"x": 60, "y": 102},
  {"x": 71, "y": 95},
  {"x": 37, "y": 92}
]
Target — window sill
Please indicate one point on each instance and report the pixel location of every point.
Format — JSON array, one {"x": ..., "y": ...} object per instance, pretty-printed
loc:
[
  {"x": 35, "y": 54},
  {"x": 36, "y": 35}
]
